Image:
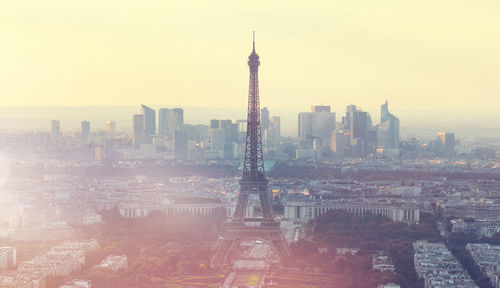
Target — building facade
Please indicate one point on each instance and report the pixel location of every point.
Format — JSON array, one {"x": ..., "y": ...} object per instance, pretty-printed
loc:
[{"x": 305, "y": 211}]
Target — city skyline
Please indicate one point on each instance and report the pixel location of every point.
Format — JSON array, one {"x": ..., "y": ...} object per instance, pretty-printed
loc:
[
  {"x": 414, "y": 123},
  {"x": 367, "y": 155},
  {"x": 361, "y": 149},
  {"x": 342, "y": 52}
]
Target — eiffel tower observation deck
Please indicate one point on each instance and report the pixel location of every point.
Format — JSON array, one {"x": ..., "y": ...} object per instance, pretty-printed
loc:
[{"x": 253, "y": 182}]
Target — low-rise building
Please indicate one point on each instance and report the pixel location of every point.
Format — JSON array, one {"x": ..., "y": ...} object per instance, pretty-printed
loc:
[
  {"x": 138, "y": 210},
  {"x": 389, "y": 285},
  {"x": 305, "y": 211},
  {"x": 8, "y": 257},
  {"x": 382, "y": 262},
  {"x": 77, "y": 283},
  {"x": 114, "y": 263},
  {"x": 438, "y": 267},
  {"x": 487, "y": 257},
  {"x": 481, "y": 228}
]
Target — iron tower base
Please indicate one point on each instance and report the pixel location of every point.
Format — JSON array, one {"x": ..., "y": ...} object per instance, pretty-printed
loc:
[{"x": 235, "y": 233}]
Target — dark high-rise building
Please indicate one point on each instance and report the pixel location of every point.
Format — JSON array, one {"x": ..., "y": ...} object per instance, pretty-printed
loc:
[
  {"x": 214, "y": 124},
  {"x": 149, "y": 122},
  {"x": 359, "y": 124},
  {"x": 180, "y": 144},
  {"x": 138, "y": 126},
  {"x": 388, "y": 129},
  {"x": 85, "y": 129},
  {"x": 359, "y": 132}
]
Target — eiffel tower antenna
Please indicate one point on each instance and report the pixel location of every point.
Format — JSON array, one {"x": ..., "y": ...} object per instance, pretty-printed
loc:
[{"x": 253, "y": 41}]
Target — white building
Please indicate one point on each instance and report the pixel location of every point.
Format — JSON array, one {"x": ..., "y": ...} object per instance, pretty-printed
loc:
[
  {"x": 77, "y": 283},
  {"x": 438, "y": 267},
  {"x": 11, "y": 257},
  {"x": 389, "y": 285},
  {"x": 305, "y": 211},
  {"x": 487, "y": 257},
  {"x": 114, "y": 263},
  {"x": 138, "y": 210}
]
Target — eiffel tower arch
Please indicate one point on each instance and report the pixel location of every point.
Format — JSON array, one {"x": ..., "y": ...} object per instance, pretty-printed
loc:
[{"x": 253, "y": 182}]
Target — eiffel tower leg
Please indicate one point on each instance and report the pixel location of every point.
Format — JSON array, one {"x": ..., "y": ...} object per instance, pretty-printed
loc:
[
  {"x": 265, "y": 203},
  {"x": 222, "y": 252},
  {"x": 282, "y": 250},
  {"x": 241, "y": 207}
]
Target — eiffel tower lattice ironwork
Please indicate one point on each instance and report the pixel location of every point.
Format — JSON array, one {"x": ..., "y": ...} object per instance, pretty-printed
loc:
[{"x": 253, "y": 182}]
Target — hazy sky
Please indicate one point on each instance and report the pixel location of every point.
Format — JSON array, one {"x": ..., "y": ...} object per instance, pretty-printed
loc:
[{"x": 419, "y": 54}]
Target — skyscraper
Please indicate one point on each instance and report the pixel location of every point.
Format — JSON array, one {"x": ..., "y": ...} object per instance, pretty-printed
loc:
[
  {"x": 214, "y": 124},
  {"x": 305, "y": 126},
  {"x": 359, "y": 124},
  {"x": 170, "y": 120},
  {"x": 178, "y": 118},
  {"x": 85, "y": 129},
  {"x": 388, "y": 129},
  {"x": 55, "y": 128},
  {"x": 242, "y": 126},
  {"x": 446, "y": 144},
  {"x": 164, "y": 120},
  {"x": 149, "y": 122},
  {"x": 180, "y": 145},
  {"x": 346, "y": 121},
  {"x": 217, "y": 138},
  {"x": 197, "y": 133},
  {"x": 317, "y": 124},
  {"x": 338, "y": 143},
  {"x": 358, "y": 132},
  {"x": 323, "y": 122},
  {"x": 138, "y": 124},
  {"x": 230, "y": 129}
]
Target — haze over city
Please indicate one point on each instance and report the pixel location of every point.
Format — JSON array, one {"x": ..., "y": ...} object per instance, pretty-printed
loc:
[{"x": 346, "y": 144}]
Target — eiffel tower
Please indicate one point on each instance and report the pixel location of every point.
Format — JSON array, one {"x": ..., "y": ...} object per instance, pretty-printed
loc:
[{"x": 253, "y": 182}]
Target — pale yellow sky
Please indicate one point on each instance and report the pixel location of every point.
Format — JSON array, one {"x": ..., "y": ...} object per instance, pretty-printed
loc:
[{"x": 419, "y": 54}]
